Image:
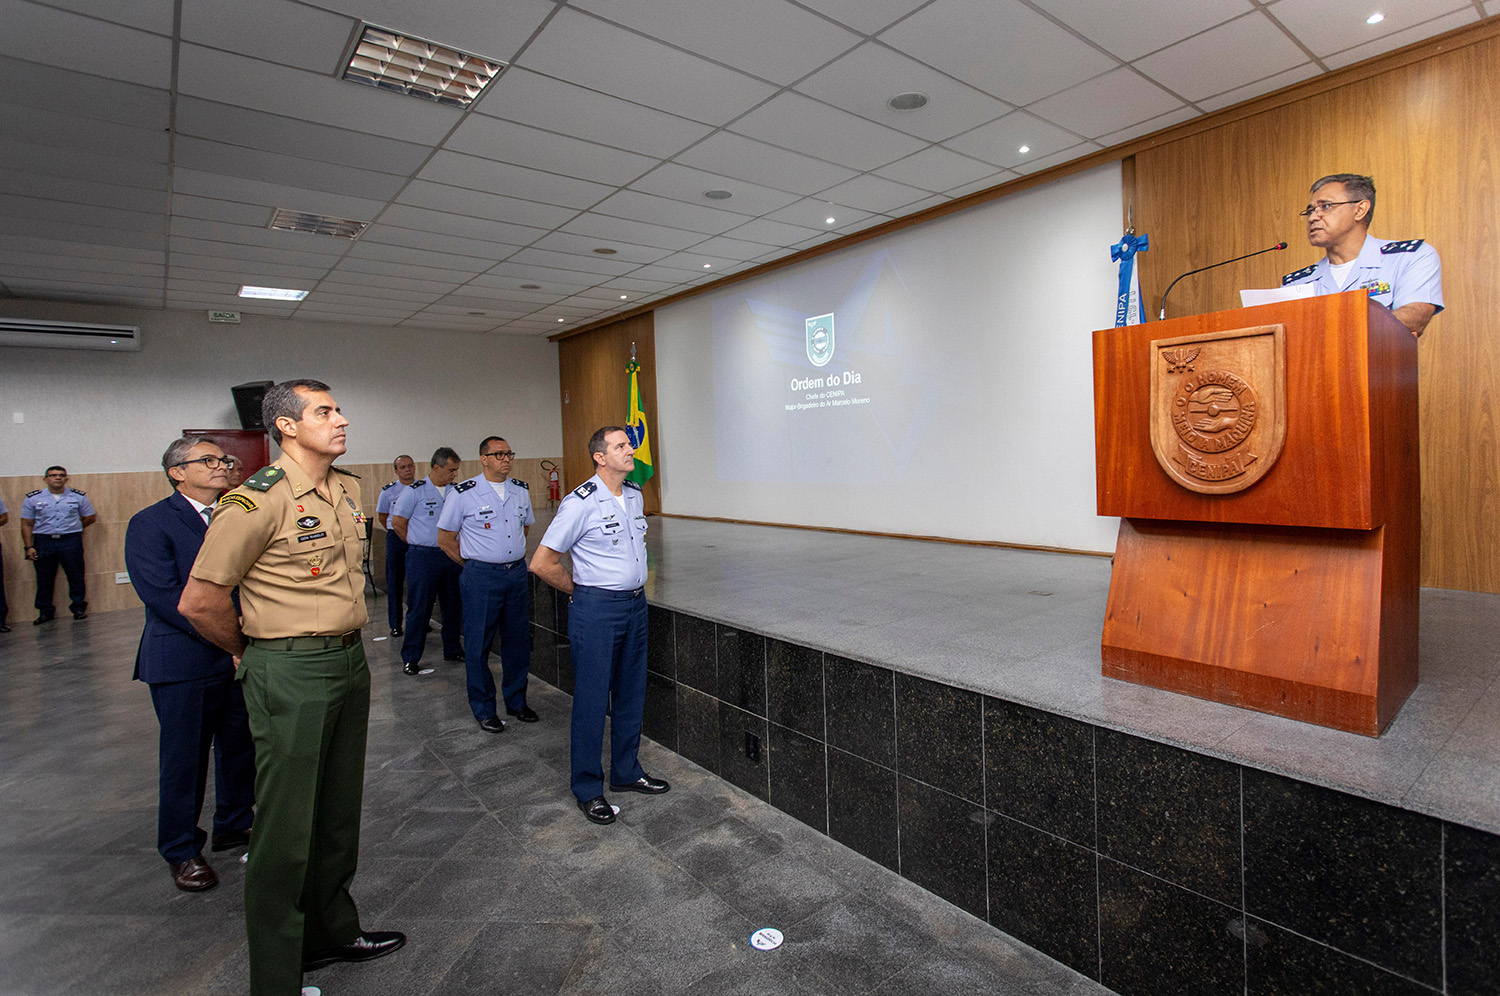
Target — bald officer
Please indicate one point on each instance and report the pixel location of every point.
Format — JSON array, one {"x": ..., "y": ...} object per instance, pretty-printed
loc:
[
  {"x": 483, "y": 527},
  {"x": 602, "y": 523},
  {"x": 290, "y": 537},
  {"x": 395, "y": 547}
]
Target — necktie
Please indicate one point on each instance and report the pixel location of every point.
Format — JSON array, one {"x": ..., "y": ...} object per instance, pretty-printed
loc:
[{"x": 208, "y": 516}]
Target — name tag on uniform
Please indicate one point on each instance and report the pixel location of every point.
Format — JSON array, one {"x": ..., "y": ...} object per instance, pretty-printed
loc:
[
  {"x": 612, "y": 525},
  {"x": 311, "y": 536}
]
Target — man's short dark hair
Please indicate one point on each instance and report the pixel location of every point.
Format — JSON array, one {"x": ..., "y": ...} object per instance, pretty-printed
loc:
[
  {"x": 486, "y": 442},
  {"x": 444, "y": 455},
  {"x": 52, "y": 468},
  {"x": 1358, "y": 186},
  {"x": 284, "y": 401},
  {"x": 178, "y": 451},
  {"x": 404, "y": 456},
  {"x": 596, "y": 441}
]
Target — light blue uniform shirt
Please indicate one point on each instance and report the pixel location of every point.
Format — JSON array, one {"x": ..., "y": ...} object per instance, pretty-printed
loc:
[
  {"x": 1394, "y": 273},
  {"x": 420, "y": 505},
  {"x": 387, "y": 498},
  {"x": 490, "y": 519},
  {"x": 608, "y": 543},
  {"x": 56, "y": 515}
]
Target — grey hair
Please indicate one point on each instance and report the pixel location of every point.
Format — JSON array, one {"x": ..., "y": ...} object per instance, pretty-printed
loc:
[
  {"x": 178, "y": 451},
  {"x": 1359, "y": 187},
  {"x": 283, "y": 401}
]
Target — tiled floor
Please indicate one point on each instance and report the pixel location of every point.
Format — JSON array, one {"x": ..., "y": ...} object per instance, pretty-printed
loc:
[{"x": 472, "y": 845}]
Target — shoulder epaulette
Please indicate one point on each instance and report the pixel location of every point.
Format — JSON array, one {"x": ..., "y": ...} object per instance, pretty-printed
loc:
[
  {"x": 1410, "y": 245},
  {"x": 1306, "y": 271},
  {"x": 77, "y": 491},
  {"x": 262, "y": 479},
  {"x": 461, "y": 488},
  {"x": 418, "y": 484},
  {"x": 631, "y": 484},
  {"x": 235, "y": 498},
  {"x": 387, "y": 487},
  {"x": 522, "y": 484},
  {"x": 585, "y": 489},
  {"x": 347, "y": 473},
  {"x": 33, "y": 494}
]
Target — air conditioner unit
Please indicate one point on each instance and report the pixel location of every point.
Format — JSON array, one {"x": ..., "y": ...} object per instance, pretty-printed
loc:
[{"x": 69, "y": 335}]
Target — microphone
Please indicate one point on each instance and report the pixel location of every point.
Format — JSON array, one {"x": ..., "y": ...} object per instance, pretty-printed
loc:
[{"x": 1163, "y": 316}]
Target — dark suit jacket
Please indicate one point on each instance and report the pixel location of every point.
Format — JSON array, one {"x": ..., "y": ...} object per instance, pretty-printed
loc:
[{"x": 161, "y": 543}]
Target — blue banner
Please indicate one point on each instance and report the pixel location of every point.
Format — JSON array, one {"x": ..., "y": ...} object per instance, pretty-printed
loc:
[{"x": 1128, "y": 298}]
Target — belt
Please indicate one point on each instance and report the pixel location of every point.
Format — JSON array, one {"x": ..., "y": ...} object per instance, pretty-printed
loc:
[
  {"x": 610, "y": 592},
  {"x": 508, "y": 565},
  {"x": 58, "y": 536},
  {"x": 349, "y": 639}
]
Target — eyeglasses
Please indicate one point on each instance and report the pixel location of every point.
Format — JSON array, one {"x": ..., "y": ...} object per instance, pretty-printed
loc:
[
  {"x": 211, "y": 462},
  {"x": 501, "y": 454},
  {"x": 1323, "y": 207}
]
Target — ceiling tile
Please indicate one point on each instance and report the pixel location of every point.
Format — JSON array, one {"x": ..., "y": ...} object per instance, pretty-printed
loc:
[
  {"x": 475, "y": 173},
  {"x": 864, "y": 81},
  {"x": 81, "y": 134},
  {"x": 30, "y": 84},
  {"x": 684, "y": 183},
  {"x": 45, "y": 186},
  {"x": 1106, "y": 103},
  {"x": 543, "y": 102},
  {"x": 409, "y": 256},
  {"x": 737, "y": 249},
  {"x": 746, "y": 159},
  {"x": 340, "y": 288},
  {"x": 603, "y": 266},
  {"x": 217, "y": 157},
  {"x": 1396, "y": 40},
  {"x": 436, "y": 275},
  {"x": 496, "y": 207},
  {"x": 506, "y": 141},
  {"x": 1000, "y": 141},
  {"x": 387, "y": 277},
  {"x": 1231, "y": 55},
  {"x": 234, "y": 188},
  {"x": 1132, "y": 30},
  {"x": 771, "y": 39},
  {"x": 987, "y": 183},
  {"x": 1328, "y": 26},
  {"x": 1057, "y": 158},
  {"x": 16, "y": 242},
  {"x": 582, "y": 245},
  {"x": 692, "y": 260},
  {"x": 793, "y": 121},
  {"x": 48, "y": 228},
  {"x": 294, "y": 255},
  {"x": 814, "y": 212},
  {"x": 1178, "y": 116},
  {"x": 773, "y": 233},
  {"x": 482, "y": 27},
  {"x": 280, "y": 31},
  {"x": 936, "y": 168},
  {"x": 420, "y": 219},
  {"x": 510, "y": 276},
  {"x": 600, "y": 226},
  {"x": 67, "y": 40},
  {"x": 10, "y": 259},
  {"x": 866, "y": 16},
  {"x": 243, "y": 270},
  {"x": 437, "y": 241},
  {"x": 210, "y": 209},
  {"x": 872, "y": 193},
  {"x": 587, "y": 51},
  {"x": 1000, "y": 46},
  {"x": 17, "y": 206},
  {"x": 276, "y": 133},
  {"x": 654, "y": 210},
  {"x": 1296, "y": 74}
]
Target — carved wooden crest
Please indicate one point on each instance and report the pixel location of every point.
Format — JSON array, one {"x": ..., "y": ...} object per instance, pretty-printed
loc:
[{"x": 1218, "y": 406}]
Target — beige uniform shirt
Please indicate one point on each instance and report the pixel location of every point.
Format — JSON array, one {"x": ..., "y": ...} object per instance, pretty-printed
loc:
[{"x": 295, "y": 557}]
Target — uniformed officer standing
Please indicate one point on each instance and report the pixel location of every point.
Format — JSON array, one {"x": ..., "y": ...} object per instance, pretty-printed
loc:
[
  {"x": 4, "y": 606},
  {"x": 291, "y": 538},
  {"x": 483, "y": 526},
  {"x": 52, "y": 523},
  {"x": 395, "y": 546},
  {"x": 1405, "y": 276},
  {"x": 602, "y": 523},
  {"x": 430, "y": 574}
]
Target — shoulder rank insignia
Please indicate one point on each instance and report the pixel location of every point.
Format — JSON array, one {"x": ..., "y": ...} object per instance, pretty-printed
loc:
[
  {"x": 585, "y": 489},
  {"x": 387, "y": 487},
  {"x": 418, "y": 484},
  {"x": 262, "y": 479},
  {"x": 76, "y": 491},
  {"x": 521, "y": 483},
  {"x": 461, "y": 488},
  {"x": 33, "y": 494},
  {"x": 631, "y": 484},
  {"x": 347, "y": 473},
  {"x": 243, "y": 501},
  {"x": 1410, "y": 245},
  {"x": 1306, "y": 271}
]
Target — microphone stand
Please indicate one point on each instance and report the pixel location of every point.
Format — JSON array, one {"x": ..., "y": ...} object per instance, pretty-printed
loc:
[{"x": 1163, "y": 315}]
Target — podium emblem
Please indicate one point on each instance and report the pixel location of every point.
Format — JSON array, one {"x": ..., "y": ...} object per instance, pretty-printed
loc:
[{"x": 1218, "y": 407}]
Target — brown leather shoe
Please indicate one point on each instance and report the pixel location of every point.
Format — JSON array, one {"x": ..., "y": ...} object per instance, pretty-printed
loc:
[{"x": 194, "y": 875}]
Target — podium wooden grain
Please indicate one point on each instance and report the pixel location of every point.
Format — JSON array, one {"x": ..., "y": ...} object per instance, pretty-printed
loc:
[{"x": 1298, "y": 595}]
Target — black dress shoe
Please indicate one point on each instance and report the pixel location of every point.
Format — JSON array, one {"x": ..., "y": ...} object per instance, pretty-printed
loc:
[
  {"x": 194, "y": 875},
  {"x": 230, "y": 840},
  {"x": 525, "y": 714},
  {"x": 457, "y": 658},
  {"x": 412, "y": 667},
  {"x": 80, "y": 615},
  {"x": 39, "y": 620},
  {"x": 370, "y": 944},
  {"x": 4, "y": 628},
  {"x": 493, "y": 724},
  {"x": 598, "y": 810},
  {"x": 645, "y": 784},
  {"x": 396, "y": 631}
]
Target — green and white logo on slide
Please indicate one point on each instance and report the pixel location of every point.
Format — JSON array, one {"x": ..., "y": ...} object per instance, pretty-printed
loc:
[{"x": 820, "y": 340}]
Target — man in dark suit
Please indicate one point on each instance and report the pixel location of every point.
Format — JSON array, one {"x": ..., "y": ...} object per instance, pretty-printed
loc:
[{"x": 198, "y": 703}]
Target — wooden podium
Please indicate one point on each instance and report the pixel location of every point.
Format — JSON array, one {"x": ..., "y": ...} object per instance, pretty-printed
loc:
[{"x": 1264, "y": 465}]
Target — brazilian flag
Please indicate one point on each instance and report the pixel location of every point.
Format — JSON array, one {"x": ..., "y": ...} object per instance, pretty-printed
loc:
[{"x": 638, "y": 431}]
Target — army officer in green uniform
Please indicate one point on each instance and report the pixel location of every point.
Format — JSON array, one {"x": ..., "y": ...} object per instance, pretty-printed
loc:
[{"x": 290, "y": 538}]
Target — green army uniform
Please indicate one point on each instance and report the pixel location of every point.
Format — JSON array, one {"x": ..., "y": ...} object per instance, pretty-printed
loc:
[{"x": 296, "y": 559}]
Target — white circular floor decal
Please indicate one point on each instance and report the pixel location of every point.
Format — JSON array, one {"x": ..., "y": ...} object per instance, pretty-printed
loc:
[{"x": 766, "y": 939}]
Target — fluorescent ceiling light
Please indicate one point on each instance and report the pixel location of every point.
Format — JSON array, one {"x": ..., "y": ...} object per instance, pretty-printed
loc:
[
  {"x": 272, "y": 293},
  {"x": 440, "y": 73},
  {"x": 316, "y": 224}
]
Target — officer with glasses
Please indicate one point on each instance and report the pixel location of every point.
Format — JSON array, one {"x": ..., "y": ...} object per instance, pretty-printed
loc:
[{"x": 1404, "y": 275}]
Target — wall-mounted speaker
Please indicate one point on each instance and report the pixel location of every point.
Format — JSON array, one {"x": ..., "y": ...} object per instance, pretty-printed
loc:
[{"x": 247, "y": 399}]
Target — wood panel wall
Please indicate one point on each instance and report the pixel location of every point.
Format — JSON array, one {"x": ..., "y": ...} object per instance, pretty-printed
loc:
[
  {"x": 1427, "y": 132},
  {"x": 595, "y": 391}
]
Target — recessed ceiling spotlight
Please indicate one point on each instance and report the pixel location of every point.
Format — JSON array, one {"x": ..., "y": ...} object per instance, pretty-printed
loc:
[
  {"x": 708, "y": 266},
  {"x": 717, "y": 195},
  {"x": 829, "y": 220},
  {"x": 1375, "y": 18},
  {"x": 623, "y": 297},
  {"x": 562, "y": 319},
  {"x": 908, "y": 101},
  {"x": 531, "y": 286},
  {"x": 606, "y": 252},
  {"x": 1024, "y": 149},
  {"x": 272, "y": 293}
]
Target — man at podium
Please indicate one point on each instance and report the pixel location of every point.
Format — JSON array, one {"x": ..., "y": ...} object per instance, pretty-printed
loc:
[{"x": 1405, "y": 276}]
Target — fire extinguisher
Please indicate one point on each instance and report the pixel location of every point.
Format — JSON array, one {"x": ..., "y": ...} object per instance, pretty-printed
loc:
[{"x": 554, "y": 481}]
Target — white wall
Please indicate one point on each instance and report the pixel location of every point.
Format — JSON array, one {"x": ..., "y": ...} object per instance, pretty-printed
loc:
[
  {"x": 972, "y": 334},
  {"x": 402, "y": 391}
]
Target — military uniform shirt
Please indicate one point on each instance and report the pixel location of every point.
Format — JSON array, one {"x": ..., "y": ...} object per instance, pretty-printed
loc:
[
  {"x": 608, "y": 544},
  {"x": 295, "y": 556},
  {"x": 3, "y": 509},
  {"x": 1393, "y": 273},
  {"x": 490, "y": 519},
  {"x": 56, "y": 515},
  {"x": 420, "y": 505},
  {"x": 387, "y": 498}
]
